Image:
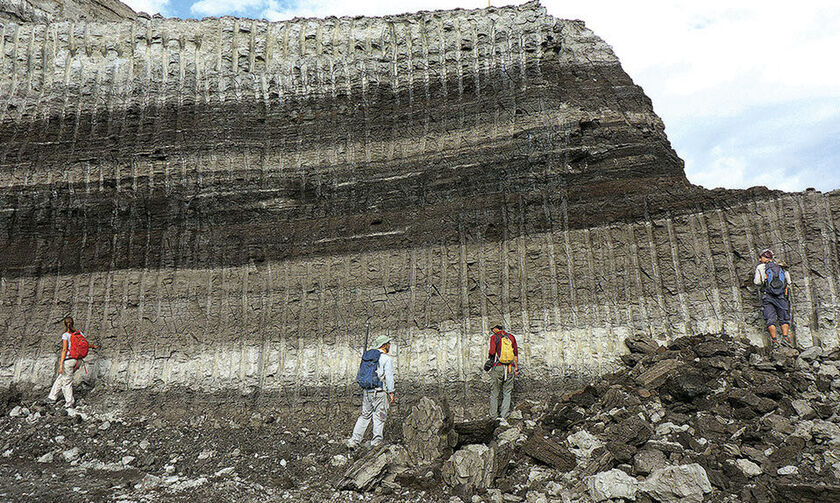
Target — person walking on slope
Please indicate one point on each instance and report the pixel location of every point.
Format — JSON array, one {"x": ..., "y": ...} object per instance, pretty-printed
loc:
[
  {"x": 376, "y": 377},
  {"x": 504, "y": 354},
  {"x": 775, "y": 306},
  {"x": 74, "y": 347}
]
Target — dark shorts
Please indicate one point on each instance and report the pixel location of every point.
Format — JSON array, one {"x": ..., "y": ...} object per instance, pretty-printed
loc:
[{"x": 776, "y": 310}]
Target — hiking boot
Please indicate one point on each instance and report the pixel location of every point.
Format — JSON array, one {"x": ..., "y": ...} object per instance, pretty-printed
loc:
[
  {"x": 351, "y": 445},
  {"x": 786, "y": 342}
]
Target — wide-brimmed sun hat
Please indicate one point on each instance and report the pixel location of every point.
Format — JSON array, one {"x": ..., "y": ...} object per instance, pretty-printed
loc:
[{"x": 381, "y": 341}]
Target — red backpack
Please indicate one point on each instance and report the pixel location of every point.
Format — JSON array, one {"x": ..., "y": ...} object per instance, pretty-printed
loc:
[{"x": 78, "y": 345}]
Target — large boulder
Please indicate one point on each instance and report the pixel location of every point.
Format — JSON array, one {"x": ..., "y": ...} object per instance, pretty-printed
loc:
[
  {"x": 648, "y": 460},
  {"x": 811, "y": 353},
  {"x": 633, "y": 431},
  {"x": 471, "y": 467},
  {"x": 546, "y": 450},
  {"x": 374, "y": 467},
  {"x": 685, "y": 387},
  {"x": 613, "y": 484},
  {"x": 711, "y": 347},
  {"x": 582, "y": 444},
  {"x": 678, "y": 484},
  {"x": 748, "y": 468},
  {"x": 659, "y": 373},
  {"x": 427, "y": 432},
  {"x": 641, "y": 343}
]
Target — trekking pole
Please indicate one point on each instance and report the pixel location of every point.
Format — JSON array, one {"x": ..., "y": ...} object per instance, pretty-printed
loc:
[{"x": 367, "y": 334}]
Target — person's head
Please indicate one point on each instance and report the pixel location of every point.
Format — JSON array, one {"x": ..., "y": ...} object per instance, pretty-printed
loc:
[
  {"x": 68, "y": 323},
  {"x": 497, "y": 329},
  {"x": 766, "y": 256},
  {"x": 383, "y": 342}
]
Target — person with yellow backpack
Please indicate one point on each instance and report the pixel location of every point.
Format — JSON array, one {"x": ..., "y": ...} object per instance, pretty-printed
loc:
[{"x": 503, "y": 365}]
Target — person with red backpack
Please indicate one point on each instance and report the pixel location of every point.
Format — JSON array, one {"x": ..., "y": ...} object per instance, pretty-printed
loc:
[
  {"x": 74, "y": 347},
  {"x": 774, "y": 281},
  {"x": 503, "y": 365}
]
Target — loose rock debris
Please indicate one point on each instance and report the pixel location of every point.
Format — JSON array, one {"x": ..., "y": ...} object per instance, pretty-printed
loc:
[
  {"x": 726, "y": 422},
  {"x": 704, "y": 419}
]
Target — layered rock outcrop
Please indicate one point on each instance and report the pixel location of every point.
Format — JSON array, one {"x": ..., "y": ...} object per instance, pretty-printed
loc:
[
  {"x": 48, "y": 11},
  {"x": 227, "y": 203}
]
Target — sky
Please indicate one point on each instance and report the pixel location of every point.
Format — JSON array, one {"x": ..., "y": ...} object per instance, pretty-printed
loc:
[{"x": 749, "y": 90}]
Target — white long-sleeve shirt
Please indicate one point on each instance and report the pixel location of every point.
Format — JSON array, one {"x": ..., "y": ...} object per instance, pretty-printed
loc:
[
  {"x": 385, "y": 372},
  {"x": 761, "y": 275}
]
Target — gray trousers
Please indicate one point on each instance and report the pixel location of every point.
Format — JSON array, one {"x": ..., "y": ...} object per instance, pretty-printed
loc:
[
  {"x": 64, "y": 383},
  {"x": 503, "y": 386},
  {"x": 374, "y": 407}
]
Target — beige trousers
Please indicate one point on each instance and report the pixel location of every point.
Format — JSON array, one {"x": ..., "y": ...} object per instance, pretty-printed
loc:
[
  {"x": 64, "y": 383},
  {"x": 374, "y": 407}
]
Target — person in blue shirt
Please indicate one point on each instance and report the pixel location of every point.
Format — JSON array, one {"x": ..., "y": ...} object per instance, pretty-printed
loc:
[{"x": 375, "y": 402}]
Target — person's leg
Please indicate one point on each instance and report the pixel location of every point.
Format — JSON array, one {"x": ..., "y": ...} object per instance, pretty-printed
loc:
[
  {"x": 783, "y": 314},
  {"x": 768, "y": 310},
  {"x": 67, "y": 385},
  {"x": 507, "y": 389},
  {"x": 56, "y": 388},
  {"x": 786, "y": 333},
  {"x": 380, "y": 415},
  {"x": 496, "y": 380},
  {"x": 363, "y": 421}
]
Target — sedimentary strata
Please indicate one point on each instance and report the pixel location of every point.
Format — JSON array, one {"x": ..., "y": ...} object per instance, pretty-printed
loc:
[
  {"x": 227, "y": 203},
  {"x": 48, "y": 11}
]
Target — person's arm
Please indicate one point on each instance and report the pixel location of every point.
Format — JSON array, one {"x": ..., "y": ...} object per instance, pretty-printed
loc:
[
  {"x": 515, "y": 356},
  {"x": 63, "y": 355},
  {"x": 492, "y": 352},
  {"x": 758, "y": 280},
  {"x": 788, "y": 281},
  {"x": 388, "y": 370}
]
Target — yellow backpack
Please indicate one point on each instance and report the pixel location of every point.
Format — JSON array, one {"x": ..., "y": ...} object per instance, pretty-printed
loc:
[{"x": 504, "y": 346}]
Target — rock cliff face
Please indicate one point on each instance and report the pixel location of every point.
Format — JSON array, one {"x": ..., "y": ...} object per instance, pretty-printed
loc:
[
  {"x": 227, "y": 203},
  {"x": 48, "y": 11}
]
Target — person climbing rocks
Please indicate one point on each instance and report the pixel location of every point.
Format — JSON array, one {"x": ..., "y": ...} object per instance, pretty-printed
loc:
[
  {"x": 775, "y": 282},
  {"x": 74, "y": 348},
  {"x": 504, "y": 354},
  {"x": 376, "y": 378}
]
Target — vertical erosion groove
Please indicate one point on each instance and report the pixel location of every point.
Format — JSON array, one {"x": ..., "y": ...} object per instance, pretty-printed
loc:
[{"x": 246, "y": 196}]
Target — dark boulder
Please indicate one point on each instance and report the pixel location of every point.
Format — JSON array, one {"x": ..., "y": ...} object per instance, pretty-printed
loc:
[{"x": 685, "y": 387}]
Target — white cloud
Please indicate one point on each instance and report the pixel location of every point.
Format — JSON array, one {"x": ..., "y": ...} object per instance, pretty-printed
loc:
[
  {"x": 149, "y": 6},
  {"x": 719, "y": 57},
  {"x": 724, "y": 168},
  {"x": 223, "y": 7}
]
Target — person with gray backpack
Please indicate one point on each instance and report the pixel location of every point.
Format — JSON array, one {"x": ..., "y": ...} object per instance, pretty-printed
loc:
[
  {"x": 775, "y": 282},
  {"x": 376, "y": 378}
]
